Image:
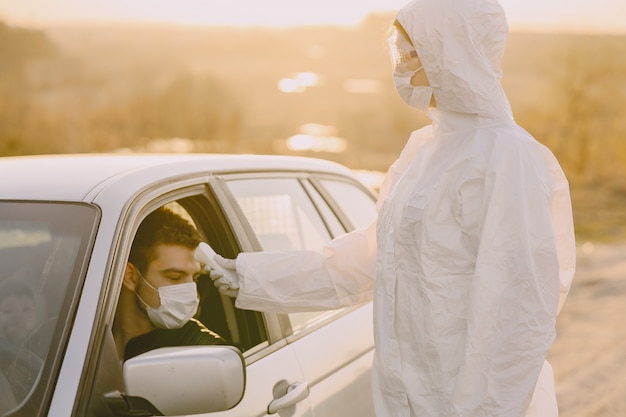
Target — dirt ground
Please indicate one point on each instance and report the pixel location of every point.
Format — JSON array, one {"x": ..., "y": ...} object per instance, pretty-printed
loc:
[{"x": 589, "y": 354}]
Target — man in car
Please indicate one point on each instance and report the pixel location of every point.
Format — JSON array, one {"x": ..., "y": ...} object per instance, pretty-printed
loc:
[{"x": 159, "y": 297}]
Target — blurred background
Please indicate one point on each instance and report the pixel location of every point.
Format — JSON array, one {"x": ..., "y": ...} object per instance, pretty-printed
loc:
[
  {"x": 313, "y": 78},
  {"x": 285, "y": 77}
]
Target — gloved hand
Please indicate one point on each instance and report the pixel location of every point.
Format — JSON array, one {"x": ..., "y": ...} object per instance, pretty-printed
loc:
[
  {"x": 226, "y": 278},
  {"x": 223, "y": 271}
]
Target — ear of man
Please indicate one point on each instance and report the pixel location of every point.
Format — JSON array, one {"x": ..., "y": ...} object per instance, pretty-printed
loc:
[{"x": 130, "y": 277}]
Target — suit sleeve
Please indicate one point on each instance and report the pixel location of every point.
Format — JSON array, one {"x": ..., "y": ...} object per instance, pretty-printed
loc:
[{"x": 342, "y": 274}]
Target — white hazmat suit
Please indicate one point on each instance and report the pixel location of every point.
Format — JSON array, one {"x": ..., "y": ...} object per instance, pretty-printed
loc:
[{"x": 473, "y": 250}]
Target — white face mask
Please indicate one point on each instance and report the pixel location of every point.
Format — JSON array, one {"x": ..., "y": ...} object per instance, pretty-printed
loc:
[
  {"x": 405, "y": 64},
  {"x": 179, "y": 303},
  {"x": 416, "y": 97}
]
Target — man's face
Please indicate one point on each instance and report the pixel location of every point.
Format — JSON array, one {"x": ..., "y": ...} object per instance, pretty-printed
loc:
[{"x": 173, "y": 265}]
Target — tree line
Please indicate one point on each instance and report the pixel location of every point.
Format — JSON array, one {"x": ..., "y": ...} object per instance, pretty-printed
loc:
[{"x": 108, "y": 88}]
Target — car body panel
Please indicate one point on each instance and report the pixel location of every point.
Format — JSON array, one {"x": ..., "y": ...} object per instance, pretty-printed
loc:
[
  {"x": 336, "y": 361},
  {"x": 82, "y": 177}
]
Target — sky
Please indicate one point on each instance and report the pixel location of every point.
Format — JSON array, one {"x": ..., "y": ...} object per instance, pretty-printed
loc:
[{"x": 605, "y": 16}]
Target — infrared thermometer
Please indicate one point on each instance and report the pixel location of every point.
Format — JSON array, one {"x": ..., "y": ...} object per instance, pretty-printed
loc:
[{"x": 206, "y": 255}]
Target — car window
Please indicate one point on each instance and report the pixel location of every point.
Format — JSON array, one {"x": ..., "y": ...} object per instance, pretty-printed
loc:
[
  {"x": 333, "y": 223},
  {"x": 213, "y": 311},
  {"x": 360, "y": 209},
  {"x": 43, "y": 247},
  {"x": 284, "y": 218},
  {"x": 289, "y": 214},
  {"x": 357, "y": 204},
  {"x": 241, "y": 328},
  {"x": 280, "y": 213}
]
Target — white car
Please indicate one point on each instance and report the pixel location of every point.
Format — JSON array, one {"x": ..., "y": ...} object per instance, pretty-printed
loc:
[{"x": 66, "y": 226}]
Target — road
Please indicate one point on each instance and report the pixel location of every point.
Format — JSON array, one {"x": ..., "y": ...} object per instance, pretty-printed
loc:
[{"x": 589, "y": 355}]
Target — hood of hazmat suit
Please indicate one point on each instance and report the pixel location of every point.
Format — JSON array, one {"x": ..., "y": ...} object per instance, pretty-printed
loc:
[
  {"x": 460, "y": 45},
  {"x": 472, "y": 254}
]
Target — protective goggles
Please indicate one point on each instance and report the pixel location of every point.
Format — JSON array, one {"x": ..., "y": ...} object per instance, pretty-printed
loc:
[{"x": 403, "y": 55}]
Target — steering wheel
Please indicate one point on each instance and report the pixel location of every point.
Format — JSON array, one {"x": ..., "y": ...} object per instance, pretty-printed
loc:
[{"x": 20, "y": 366}]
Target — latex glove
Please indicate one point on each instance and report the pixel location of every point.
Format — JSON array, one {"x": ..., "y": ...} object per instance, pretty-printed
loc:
[
  {"x": 223, "y": 271},
  {"x": 226, "y": 280}
]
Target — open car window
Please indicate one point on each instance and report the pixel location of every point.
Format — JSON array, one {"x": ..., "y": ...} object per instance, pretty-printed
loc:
[{"x": 241, "y": 328}]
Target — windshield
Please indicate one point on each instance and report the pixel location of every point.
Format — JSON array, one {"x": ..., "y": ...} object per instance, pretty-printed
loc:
[{"x": 43, "y": 250}]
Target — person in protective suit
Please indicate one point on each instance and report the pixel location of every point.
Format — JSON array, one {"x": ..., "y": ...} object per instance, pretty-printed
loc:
[{"x": 473, "y": 251}]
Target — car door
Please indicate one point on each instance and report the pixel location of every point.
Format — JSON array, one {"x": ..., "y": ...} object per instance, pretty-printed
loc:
[
  {"x": 272, "y": 370},
  {"x": 336, "y": 352},
  {"x": 334, "y": 349},
  {"x": 299, "y": 365},
  {"x": 274, "y": 380}
]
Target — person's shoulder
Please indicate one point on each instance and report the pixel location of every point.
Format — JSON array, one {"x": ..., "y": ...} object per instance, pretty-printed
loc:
[
  {"x": 513, "y": 152},
  {"x": 510, "y": 139},
  {"x": 195, "y": 329},
  {"x": 416, "y": 141},
  {"x": 421, "y": 135}
]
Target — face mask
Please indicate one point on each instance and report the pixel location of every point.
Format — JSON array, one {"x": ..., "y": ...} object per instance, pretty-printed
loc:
[
  {"x": 179, "y": 303},
  {"x": 416, "y": 97},
  {"x": 405, "y": 64}
]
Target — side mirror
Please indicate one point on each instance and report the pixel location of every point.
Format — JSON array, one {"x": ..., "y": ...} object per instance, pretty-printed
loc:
[{"x": 187, "y": 380}]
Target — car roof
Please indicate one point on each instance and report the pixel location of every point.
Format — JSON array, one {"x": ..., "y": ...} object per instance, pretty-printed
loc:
[{"x": 79, "y": 177}]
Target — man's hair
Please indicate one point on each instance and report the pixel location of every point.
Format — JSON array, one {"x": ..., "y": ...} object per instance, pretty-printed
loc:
[{"x": 161, "y": 227}]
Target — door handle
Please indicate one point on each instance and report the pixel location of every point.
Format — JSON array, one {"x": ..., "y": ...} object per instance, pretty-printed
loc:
[{"x": 296, "y": 392}]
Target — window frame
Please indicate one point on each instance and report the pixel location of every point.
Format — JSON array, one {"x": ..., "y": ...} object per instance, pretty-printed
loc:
[
  {"x": 249, "y": 242},
  {"x": 339, "y": 212}
]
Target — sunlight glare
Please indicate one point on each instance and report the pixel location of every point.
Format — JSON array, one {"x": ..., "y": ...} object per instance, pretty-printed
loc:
[
  {"x": 317, "y": 138},
  {"x": 299, "y": 82}
]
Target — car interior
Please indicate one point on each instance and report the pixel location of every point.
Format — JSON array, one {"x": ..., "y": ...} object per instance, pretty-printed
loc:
[{"x": 242, "y": 328}]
